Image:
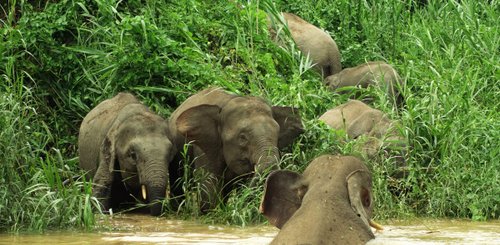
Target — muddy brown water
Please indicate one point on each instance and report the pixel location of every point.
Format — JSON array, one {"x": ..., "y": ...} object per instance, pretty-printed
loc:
[{"x": 144, "y": 229}]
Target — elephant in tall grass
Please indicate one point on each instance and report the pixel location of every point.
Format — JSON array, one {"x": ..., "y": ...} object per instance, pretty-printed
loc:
[
  {"x": 233, "y": 136},
  {"x": 125, "y": 146},
  {"x": 377, "y": 73},
  {"x": 359, "y": 119},
  {"x": 330, "y": 203},
  {"x": 312, "y": 41}
]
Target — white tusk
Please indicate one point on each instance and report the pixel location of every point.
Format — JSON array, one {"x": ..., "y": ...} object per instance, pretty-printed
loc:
[
  {"x": 375, "y": 225},
  {"x": 143, "y": 187}
]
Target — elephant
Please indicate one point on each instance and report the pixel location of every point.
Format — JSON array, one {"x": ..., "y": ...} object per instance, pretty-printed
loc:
[
  {"x": 312, "y": 41},
  {"x": 330, "y": 203},
  {"x": 358, "y": 119},
  {"x": 370, "y": 73},
  {"x": 121, "y": 140},
  {"x": 232, "y": 136}
]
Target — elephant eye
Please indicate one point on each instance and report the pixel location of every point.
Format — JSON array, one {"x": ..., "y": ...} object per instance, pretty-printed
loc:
[
  {"x": 242, "y": 139},
  {"x": 366, "y": 198},
  {"x": 132, "y": 154}
]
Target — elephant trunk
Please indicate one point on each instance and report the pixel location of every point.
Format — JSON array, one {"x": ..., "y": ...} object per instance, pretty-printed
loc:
[
  {"x": 156, "y": 195},
  {"x": 266, "y": 159},
  {"x": 157, "y": 186}
]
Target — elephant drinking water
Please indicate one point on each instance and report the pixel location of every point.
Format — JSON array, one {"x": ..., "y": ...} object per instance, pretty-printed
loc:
[{"x": 121, "y": 140}]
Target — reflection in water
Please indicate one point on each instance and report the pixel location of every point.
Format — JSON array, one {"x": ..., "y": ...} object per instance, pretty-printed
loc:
[
  {"x": 161, "y": 231},
  {"x": 144, "y": 229}
]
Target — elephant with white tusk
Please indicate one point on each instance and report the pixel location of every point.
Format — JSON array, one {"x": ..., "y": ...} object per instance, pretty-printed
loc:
[{"x": 122, "y": 144}]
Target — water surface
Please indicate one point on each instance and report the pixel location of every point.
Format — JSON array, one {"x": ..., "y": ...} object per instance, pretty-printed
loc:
[{"x": 144, "y": 229}]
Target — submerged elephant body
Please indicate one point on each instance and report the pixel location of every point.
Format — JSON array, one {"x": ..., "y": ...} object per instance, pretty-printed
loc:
[
  {"x": 121, "y": 140},
  {"x": 358, "y": 119},
  {"x": 232, "y": 136},
  {"x": 377, "y": 73},
  {"x": 315, "y": 43},
  {"x": 330, "y": 203}
]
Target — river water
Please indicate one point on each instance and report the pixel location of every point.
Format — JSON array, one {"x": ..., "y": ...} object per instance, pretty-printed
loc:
[{"x": 144, "y": 229}]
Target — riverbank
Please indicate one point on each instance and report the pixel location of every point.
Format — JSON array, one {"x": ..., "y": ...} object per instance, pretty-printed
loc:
[{"x": 58, "y": 59}]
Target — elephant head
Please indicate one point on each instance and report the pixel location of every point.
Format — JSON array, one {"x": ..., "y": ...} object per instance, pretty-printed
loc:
[
  {"x": 246, "y": 132},
  {"x": 330, "y": 203},
  {"x": 132, "y": 141},
  {"x": 240, "y": 136}
]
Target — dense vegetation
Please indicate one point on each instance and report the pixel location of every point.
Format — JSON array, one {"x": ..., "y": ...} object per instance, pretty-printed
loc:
[{"x": 58, "y": 59}]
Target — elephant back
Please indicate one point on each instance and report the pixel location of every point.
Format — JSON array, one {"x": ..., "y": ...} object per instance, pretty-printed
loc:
[
  {"x": 316, "y": 43},
  {"x": 94, "y": 128},
  {"x": 341, "y": 116}
]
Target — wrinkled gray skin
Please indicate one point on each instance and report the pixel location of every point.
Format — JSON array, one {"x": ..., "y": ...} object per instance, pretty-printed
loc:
[
  {"x": 233, "y": 136},
  {"x": 330, "y": 203},
  {"x": 357, "y": 119},
  {"x": 121, "y": 134},
  {"x": 367, "y": 74},
  {"x": 312, "y": 41}
]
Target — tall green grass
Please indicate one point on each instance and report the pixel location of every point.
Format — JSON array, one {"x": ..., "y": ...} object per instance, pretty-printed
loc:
[
  {"x": 31, "y": 185},
  {"x": 58, "y": 59}
]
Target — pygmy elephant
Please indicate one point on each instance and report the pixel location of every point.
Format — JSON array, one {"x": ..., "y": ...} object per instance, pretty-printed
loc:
[
  {"x": 330, "y": 203},
  {"x": 357, "y": 119},
  {"x": 312, "y": 41},
  {"x": 233, "y": 136},
  {"x": 376, "y": 73},
  {"x": 121, "y": 140}
]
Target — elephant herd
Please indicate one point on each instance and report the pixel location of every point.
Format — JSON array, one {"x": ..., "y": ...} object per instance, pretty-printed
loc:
[{"x": 128, "y": 150}]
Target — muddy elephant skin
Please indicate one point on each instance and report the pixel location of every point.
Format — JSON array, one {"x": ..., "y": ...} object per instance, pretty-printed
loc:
[
  {"x": 122, "y": 144},
  {"x": 330, "y": 203},
  {"x": 232, "y": 136}
]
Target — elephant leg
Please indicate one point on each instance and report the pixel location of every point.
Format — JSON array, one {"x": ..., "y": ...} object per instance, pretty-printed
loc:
[
  {"x": 209, "y": 189},
  {"x": 208, "y": 175},
  {"x": 101, "y": 187}
]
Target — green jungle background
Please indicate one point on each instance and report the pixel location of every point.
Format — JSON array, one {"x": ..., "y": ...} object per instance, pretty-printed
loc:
[{"x": 60, "y": 58}]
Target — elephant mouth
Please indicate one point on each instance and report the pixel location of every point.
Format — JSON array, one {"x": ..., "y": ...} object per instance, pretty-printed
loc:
[{"x": 242, "y": 167}]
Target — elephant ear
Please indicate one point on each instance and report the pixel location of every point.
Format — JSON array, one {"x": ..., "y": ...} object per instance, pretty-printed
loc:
[
  {"x": 283, "y": 194},
  {"x": 107, "y": 151},
  {"x": 360, "y": 197},
  {"x": 290, "y": 123},
  {"x": 201, "y": 125}
]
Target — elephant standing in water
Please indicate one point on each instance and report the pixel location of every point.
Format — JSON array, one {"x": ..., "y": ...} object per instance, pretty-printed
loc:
[
  {"x": 376, "y": 73},
  {"x": 121, "y": 140},
  {"x": 358, "y": 119},
  {"x": 330, "y": 203},
  {"x": 232, "y": 136},
  {"x": 314, "y": 42}
]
